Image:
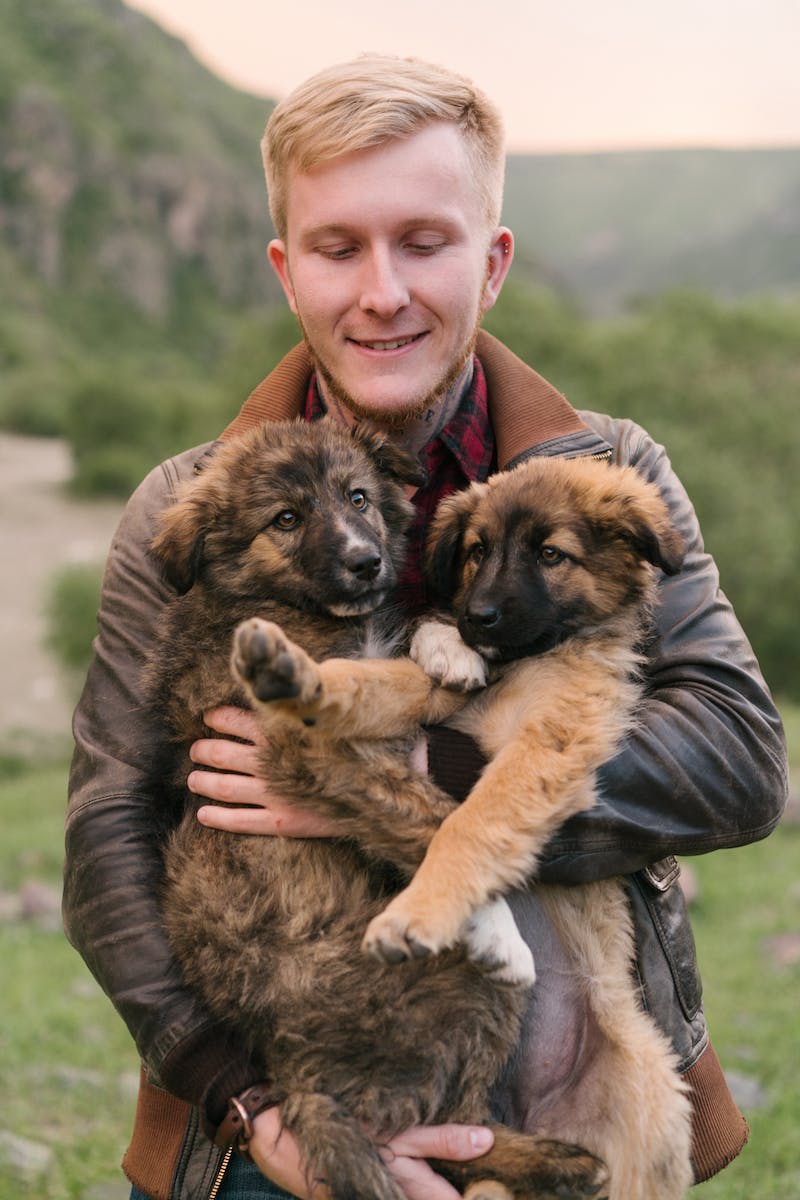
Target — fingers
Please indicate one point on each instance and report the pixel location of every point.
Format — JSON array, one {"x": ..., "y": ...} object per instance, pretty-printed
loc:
[
  {"x": 275, "y": 820},
  {"x": 258, "y": 820},
  {"x": 277, "y": 1156},
  {"x": 237, "y": 782},
  {"x": 456, "y": 1142},
  {"x": 236, "y": 765},
  {"x": 225, "y": 756},
  {"x": 418, "y": 1181},
  {"x": 405, "y": 1157},
  {"x": 235, "y": 722}
]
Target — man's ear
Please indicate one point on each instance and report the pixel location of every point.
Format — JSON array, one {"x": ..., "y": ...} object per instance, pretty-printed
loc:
[
  {"x": 279, "y": 261},
  {"x": 501, "y": 255}
]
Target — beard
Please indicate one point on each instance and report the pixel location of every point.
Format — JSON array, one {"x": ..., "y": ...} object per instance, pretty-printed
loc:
[{"x": 416, "y": 406}]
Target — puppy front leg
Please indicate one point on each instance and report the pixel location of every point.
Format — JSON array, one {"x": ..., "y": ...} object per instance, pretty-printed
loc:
[{"x": 484, "y": 848}]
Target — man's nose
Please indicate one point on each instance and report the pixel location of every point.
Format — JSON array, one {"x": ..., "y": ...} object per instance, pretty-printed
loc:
[{"x": 383, "y": 289}]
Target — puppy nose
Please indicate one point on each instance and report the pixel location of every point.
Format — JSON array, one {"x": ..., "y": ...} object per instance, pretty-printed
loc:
[
  {"x": 483, "y": 616},
  {"x": 364, "y": 564}
]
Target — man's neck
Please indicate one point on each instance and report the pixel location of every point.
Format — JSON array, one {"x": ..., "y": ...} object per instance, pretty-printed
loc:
[{"x": 416, "y": 435}]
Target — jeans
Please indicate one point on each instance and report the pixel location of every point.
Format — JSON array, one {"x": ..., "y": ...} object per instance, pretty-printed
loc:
[{"x": 242, "y": 1181}]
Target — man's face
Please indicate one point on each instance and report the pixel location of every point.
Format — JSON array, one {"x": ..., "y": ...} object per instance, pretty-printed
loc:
[{"x": 389, "y": 265}]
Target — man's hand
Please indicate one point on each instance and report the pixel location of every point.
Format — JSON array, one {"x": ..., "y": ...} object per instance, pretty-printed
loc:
[
  {"x": 405, "y": 1157},
  {"x": 235, "y": 782},
  {"x": 276, "y": 1154}
]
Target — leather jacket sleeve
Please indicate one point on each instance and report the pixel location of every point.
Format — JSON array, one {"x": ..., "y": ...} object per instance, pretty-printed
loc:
[
  {"x": 705, "y": 767},
  {"x": 113, "y": 833}
]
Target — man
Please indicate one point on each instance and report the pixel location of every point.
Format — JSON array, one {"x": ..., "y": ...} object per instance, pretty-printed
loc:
[{"x": 385, "y": 181}]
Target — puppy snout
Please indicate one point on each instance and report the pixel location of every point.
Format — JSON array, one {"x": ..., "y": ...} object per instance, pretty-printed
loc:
[{"x": 364, "y": 563}]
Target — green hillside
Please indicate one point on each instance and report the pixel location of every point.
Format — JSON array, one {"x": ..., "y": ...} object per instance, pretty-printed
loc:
[
  {"x": 133, "y": 220},
  {"x": 133, "y": 215},
  {"x": 609, "y": 228}
]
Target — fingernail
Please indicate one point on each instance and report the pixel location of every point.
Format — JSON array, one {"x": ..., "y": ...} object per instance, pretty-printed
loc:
[{"x": 481, "y": 1139}]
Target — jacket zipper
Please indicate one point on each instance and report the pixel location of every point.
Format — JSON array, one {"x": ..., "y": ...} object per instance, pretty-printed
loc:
[{"x": 221, "y": 1174}]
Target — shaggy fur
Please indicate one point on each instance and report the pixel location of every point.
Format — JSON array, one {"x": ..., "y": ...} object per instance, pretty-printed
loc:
[
  {"x": 551, "y": 572},
  {"x": 302, "y": 525}
]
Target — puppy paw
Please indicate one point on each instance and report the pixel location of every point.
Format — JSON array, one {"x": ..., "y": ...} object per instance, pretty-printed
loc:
[
  {"x": 396, "y": 935},
  {"x": 439, "y": 649},
  {"x": 562, "y": 1171},
  {"x": 488, "y": 1189},
  {"x": 494, "y": 944},
  {"x": 271, "y": 666}
]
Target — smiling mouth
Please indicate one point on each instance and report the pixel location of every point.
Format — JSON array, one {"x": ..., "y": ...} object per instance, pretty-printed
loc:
[{"x": 393, "y": 344}]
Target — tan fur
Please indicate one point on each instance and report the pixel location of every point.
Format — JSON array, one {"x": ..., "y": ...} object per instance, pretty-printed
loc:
[{"x": 548, "y": 722}]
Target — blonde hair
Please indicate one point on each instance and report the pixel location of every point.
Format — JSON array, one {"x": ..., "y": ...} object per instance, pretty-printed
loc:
[{"x": 369, "y": 101}]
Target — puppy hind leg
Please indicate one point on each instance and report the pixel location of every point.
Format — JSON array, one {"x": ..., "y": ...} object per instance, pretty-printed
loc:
[
  {"x": 635, "y": 1111},
  {"x": 336, "y": 1150},
  {"x": 271, "y": 666},
  {"x": 522, "y": 1166},
  {"x": 367, "y": 698}
]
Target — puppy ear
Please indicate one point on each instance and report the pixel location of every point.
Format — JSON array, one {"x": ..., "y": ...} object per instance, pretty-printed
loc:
[
  {"x": 443, "y": 550},
  {"x": 662, "y": 546},
  {"x": 179, "y": 544},
  {"x": 389, "y": 458},
  {"x": 647, "y": 525}
]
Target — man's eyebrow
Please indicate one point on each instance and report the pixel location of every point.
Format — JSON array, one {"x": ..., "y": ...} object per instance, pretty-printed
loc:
[
  {"x": 340, "y": 229},
  {"x": 327, "y": 231}
]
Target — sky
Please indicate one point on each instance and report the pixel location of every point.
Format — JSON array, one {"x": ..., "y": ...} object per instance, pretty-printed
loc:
[{"x": 569, "y": 75}]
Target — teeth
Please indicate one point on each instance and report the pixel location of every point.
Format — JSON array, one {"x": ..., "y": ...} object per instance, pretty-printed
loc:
[{"x": 388, "y": 345}]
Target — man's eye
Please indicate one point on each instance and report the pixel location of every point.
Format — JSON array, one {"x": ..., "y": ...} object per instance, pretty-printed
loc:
[
  {"x": 425, "y": 247},
  {"x": 551, "y": 556},
  {"x": 358, "y": 499},
  {"x": 288, "y": 519},
  {"x": 337, "y": 253}
]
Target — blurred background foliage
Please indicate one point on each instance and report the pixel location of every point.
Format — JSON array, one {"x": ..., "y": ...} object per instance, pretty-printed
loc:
[{"x": 662, "y": 286}]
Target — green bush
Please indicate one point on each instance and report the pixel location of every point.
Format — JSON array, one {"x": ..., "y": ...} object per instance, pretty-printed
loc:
[
  {"x": 32, "y": 402},
  {"x": 122, "y": 420},
  {"x": 118, "y": 430}
]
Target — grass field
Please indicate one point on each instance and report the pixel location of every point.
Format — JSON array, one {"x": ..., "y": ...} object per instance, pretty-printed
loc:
[{"x": 67, "y": 1067}]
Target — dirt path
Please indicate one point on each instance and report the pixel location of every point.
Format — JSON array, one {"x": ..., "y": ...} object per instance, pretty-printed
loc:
[{"x": 41, "y": 529}]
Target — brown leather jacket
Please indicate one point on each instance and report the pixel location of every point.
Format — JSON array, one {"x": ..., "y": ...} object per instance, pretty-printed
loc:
[{"x": 705, "y": 770}]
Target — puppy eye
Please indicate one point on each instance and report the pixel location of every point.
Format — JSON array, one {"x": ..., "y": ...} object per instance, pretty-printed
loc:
[
  {"x": 288, "y": 519},
  {"x": 358, "y": 499},
  {"x": 551, "y": 556},
  {"x": 476, "y": 552}
]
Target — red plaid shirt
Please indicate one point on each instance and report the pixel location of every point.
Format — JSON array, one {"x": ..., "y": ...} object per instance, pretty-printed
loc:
[{"x": 463, "y": 453}]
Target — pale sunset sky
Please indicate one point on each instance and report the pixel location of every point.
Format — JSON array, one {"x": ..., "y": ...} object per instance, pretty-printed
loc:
[{"x": 567, "y": 74}]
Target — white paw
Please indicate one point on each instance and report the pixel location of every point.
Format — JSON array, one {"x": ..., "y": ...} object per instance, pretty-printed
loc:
[
  {"x": 438, "y": 648},
  {"x": 492, "y": 941}
]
